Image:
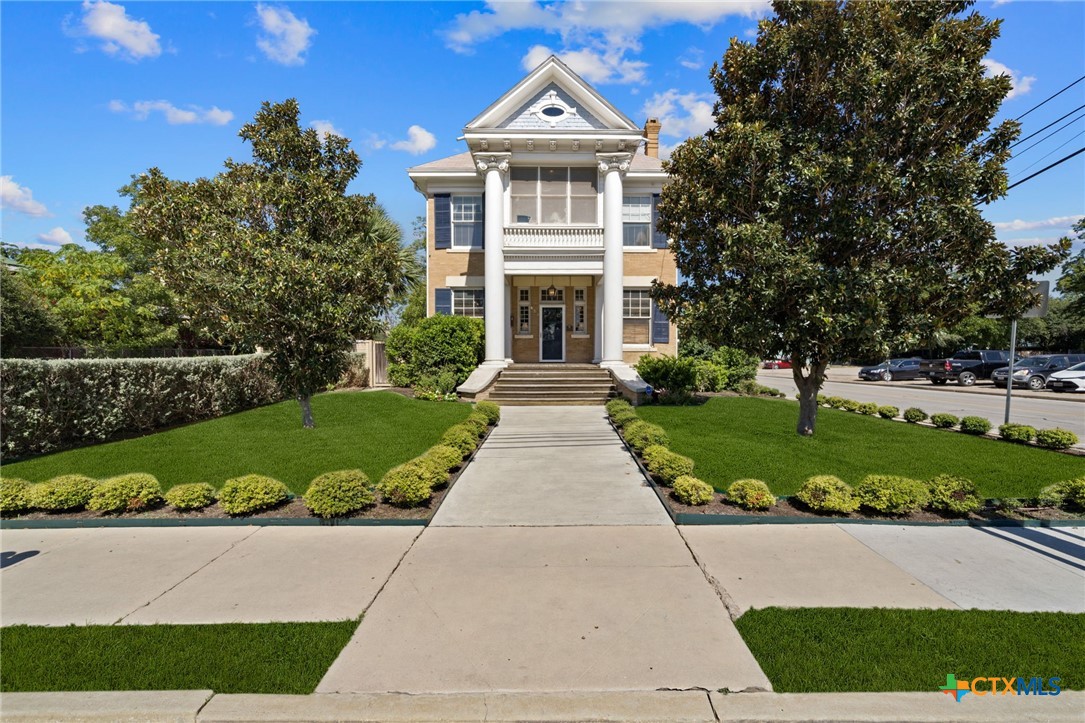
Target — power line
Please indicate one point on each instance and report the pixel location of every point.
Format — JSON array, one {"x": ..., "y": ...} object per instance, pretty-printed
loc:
[
  {"x": 1052, "y": 133},
  {"x": 1048, "y": 168},
  {"x": 1051, "y": 97},
  {"x": 1051, "y": 151},
  {"x": 1019, "y": 141}
]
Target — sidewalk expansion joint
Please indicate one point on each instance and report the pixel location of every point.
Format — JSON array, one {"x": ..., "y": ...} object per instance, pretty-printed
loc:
[
  {"x": 192, "y": 574},
  {"x": 392, "y": 573},
  {"x": 733, "y": 610}
]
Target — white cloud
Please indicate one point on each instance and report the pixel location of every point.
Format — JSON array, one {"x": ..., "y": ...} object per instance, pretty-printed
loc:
[
  {"x": 287, "y": 36},
  {"x": 56, "y": 237},
  {"x": 142, "y": 109},
  {"x": 681, "y": 114},
  {"x": 120, "y": 34},
  {"x": 593, "y": 66},
  {"x": 325, "y": 128},
  {"x": 596, "y": 37},
  {"x": 419, "y": 140},
  {"x": 750, "y": 33},
  {"x": 1053, "y": 222},
  {"x": 1019, "y": 85},
  {"x": 693, "y": 59},
  {"x": 20, "y": 198}
]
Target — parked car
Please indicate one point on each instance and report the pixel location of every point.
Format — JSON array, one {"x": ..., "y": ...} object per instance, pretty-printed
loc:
[
  {"x": 894, "y": 370},
  {"x": 1068, "y": 380},
  {"x": 776, "y": 364},
  {"x": 1033, "y": 371},
  {"x": 966, "y": 367}
]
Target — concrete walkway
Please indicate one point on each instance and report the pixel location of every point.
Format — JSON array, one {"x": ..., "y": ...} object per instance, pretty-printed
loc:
[{"x": 551, "y": 466}]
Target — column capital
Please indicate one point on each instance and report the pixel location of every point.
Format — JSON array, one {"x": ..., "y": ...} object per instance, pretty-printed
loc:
[
  {"x": 614, "y": 161},
  {"x": 492, "y": 161}
]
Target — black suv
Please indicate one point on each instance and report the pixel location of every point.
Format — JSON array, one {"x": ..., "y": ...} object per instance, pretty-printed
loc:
[{"x": 1033, "y": 371}]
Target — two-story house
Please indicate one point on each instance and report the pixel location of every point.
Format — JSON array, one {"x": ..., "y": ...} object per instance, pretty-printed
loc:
[{"x": 545, "y": 227}]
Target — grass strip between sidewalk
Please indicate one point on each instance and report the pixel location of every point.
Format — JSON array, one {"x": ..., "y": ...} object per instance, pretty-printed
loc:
[
  {"x": 228, "y": 658},
  {"x": 732, "y": 438},
  {"x": 840, "y": 650}
]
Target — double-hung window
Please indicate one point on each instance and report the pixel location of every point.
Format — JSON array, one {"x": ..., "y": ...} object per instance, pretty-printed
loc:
[
  {"x": 467, "y": 222},
  {"x": 637, "y": 221},
  {"x": 637, "y": 313},
  {"x": 468, "y": 302},
  {"x": 523, "y": 317},
  {"x": 553, "y": 195}
]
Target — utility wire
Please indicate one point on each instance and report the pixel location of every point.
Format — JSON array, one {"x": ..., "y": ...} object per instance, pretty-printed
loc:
[
  {"x": 1019, "y": 141},
  {"x": 1051, "y": 97},
  {"x": 1051, "y": 151},
  {"x": 1054, "y": 132},
  {"x": 1048, "y": 168}
]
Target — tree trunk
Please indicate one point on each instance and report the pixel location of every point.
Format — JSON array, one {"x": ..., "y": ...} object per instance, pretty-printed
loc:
[
  {"x": 306, "y": 411},
  {"x": 809, "y": 386}
]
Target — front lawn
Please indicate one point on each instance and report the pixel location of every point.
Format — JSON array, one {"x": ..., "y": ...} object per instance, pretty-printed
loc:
[
  {"x": 838, "y": 650},
  {"x": 731, "y": 438},
  {"x": 231, "y": 658},
  {"x": 371, "y": 431}
]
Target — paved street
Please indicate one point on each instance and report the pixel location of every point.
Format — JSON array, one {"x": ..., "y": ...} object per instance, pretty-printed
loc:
[{"x": 1038, "y": 409}]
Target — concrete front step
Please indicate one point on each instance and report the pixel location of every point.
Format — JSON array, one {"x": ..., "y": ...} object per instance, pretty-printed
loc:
[
  {"x": 553, "y": 386},
  {"x": 557, "y": 402},
  {"x": 543, "y": 374}
]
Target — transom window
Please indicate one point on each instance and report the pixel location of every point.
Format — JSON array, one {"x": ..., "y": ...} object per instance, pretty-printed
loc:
[
  {"x": 637, "y": 221},
  {"x": 468, "y": 302},
  {"x": 580, "y": 312},
  {"x": 524, "y": 313},
  {"x": 467, "y": 222},
  {"x": 636, "y": 304},
  {"x": 547, "y": 195}
]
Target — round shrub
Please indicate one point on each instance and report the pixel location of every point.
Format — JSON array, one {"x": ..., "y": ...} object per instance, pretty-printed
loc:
[
  {"x": 445, "y": 456},
  {"x": 915, "y": 415},
  {"x": 826, "y": 493},
  {"x": 14, "y": 495},
  {"x": 944, "y": 421},
  {"x": 975, "y": 425},
  {"x": 888, "y": 412},
  {"x": 66, "y": 492},
  {"x": 956, "y": 495},
  {"x": 251, "y": 493},
  {"x": 692, "y": 491},
  {"x": 490, "y": 410},
  {"x": 665, "y": 464},
  {"x": 1020, "y": 433},
  {"x": 822, "y": 400},
  {"x": 435, "y": 345},
  {"x": 624, "y": 417},
  {"x": 617, "y": 405},
  {"x": 834, "y": 402},
  {"x": 476, "y": 422},
  {"x": 193, "y": 496},
  {"x": 751, "y": 494},
  {"x": 335, "y": 494},
  {"x": 892, "y": 495},
  {"x": 1068, "y": 493},
  {"x": 464, "y": 439},
  {"x": 849, "y": 405},
  {"x": 641, "y": 435},
  {"x": 408, "y": 485},
  {"x": 869, "y": 408},
  {"x": 1056, "y": 438},
  {"x": 126, "y": 493}
]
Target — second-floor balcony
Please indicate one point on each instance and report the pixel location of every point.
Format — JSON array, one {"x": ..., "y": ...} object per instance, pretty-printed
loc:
[{"x": 554, "y": 238}]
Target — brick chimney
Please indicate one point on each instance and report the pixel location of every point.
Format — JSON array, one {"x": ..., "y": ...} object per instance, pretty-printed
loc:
[{"x": 651, "y": 132}]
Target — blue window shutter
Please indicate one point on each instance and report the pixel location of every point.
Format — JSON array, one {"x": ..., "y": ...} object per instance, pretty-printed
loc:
[
  {"x": 483, "y": 223},
  {"x": 442, "y": 301},
  {"x": 442, "y": 220},
  {"x": 661, "y": 326},
  {"x": 659, "y": 240}
]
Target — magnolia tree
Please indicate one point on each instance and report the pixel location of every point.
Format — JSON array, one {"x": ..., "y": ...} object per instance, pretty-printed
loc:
[
  {"x": 834, "y": 209},
  {"x": 275, "y": 253}
]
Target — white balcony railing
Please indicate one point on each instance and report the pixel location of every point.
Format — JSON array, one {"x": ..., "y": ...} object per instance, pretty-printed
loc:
[{"x": 554, "y": 237}]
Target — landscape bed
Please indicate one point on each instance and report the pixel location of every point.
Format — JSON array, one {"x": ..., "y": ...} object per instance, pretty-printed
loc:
[
  {"x": 838, "y": 650},
  {"x": 225, "y": 658}
]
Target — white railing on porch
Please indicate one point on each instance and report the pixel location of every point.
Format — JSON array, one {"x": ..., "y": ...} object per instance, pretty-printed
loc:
[{"x": 554, "y": 237}]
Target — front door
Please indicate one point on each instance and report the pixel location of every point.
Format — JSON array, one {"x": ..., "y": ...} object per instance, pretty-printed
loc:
[{"x": 553, "y": 334}]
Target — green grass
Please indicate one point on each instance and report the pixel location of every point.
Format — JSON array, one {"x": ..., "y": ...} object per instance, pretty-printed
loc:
[
  {"x": 731, "y": 438},
  {"x": 371, "y": 431},
  {"x": 233, "y": 658},
  {"x": 829, "y": 650}
]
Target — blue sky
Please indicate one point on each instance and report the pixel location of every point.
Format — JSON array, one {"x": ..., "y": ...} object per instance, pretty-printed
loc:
[{"x": 95, "y": 92}]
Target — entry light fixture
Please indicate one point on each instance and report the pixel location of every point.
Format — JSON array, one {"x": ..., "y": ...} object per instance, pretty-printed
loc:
[{"x": 551, "y": 292}]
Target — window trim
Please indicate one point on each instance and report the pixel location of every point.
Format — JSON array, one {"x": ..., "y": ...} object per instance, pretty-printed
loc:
[
  {"x": 569, "y": 198},
  {"x": 580, "y": 307},
  {"x": 646, "y": 223},
  {"x": 478, "y": 222},
  {"x": 523, "y": 304},
  {"x": 625, "y": 305},
  {"x": 458, "y": 293}
]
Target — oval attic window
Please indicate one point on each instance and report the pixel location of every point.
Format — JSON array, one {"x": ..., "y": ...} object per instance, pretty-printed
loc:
[{"x": 553, "y": 112}]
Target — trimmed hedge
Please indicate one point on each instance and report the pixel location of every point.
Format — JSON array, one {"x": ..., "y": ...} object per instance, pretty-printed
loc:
[
  {"x": 826, "y": 493},
  {"x": 132, "y": 492},
  {"x": 66, "y": 492},
  {"x": 667, "y": 465},
  {"x": 692, "y": 491},
  {"x": 617, "y": 405},
  {"x": 1020, "y": 433},
  {"x": 751, "y": 494},
  {"x": 462, "y": 437},
  {"x": 490, "y": 409},
  {"x": 191, "y": 496},
  {"x": 641, "y": 435},
  {"x": 892, "y": 495},
  {"x": 944, "y": 421},
  {"x": 251, "y": 493},
  {"x": 1056, "y": 438},
  {"x": 46, "y": 406},
  {"x": 14, "y": 495},
  {"x": 914, "y": 415},
  {"x": 624, "y": 417},
  {"x": 335, "y": 494},
  {"x": 975, "y": 425},
  {"x": 955, "y": 495},
  {"x": 408, "y": 485}
]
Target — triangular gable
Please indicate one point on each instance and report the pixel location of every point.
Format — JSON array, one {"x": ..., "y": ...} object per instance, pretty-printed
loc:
[{"x": 512, "y": 110}]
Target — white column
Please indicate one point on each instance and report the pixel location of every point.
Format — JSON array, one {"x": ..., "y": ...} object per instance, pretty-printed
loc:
[
  {"x": 597, "y": 335},
  {"x": 613, "y": 165},
  {"x": 494, "y": 166},
  {"x": 508, "y": 321}
]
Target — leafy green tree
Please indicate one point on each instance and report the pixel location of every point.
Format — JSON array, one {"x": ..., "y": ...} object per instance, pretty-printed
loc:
[
  {"x": 25, "y": 318},
  {"x": 275, "y": 252},
  {"x": 1072, "y": 281},
  {"x": 832, "y": 212}
]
